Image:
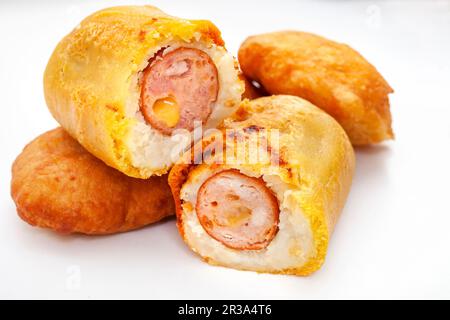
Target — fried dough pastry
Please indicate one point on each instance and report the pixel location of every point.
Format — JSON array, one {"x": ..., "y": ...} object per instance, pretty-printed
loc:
[
  {"x": 274, "y": 213},
  {"x": 331, "y": 75},
  {"x": 129, "y": 81},
  {"x": 57, "y": 184}
]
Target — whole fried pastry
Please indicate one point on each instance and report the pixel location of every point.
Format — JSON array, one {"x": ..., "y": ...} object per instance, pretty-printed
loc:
[
  {"x": 57, "y": 184},
  {"x": 331, "y": 75}
]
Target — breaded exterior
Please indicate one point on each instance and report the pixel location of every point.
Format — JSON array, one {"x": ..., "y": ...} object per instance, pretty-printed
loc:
[
  {"x": 331, "y": 75},
  {"x": 57, "y": 184},
  {"x": 316, "y": 162},
  {"x": 89, "y": 75}
]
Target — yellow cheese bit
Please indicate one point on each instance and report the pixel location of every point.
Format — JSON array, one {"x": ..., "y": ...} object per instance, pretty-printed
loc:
[
  {"x": 167, "y": 110},
  {"x": 238, "y": 216}
]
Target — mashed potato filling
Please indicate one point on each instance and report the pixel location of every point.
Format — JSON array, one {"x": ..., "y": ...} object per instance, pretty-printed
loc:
[
  {"x": 291, "y": 247},
  {"x": 151, "y": 150}
]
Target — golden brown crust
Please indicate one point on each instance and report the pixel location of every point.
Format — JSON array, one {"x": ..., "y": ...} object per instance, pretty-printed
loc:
[
  {"x": 331, "y": 75},
  {"x": 178, "y": 175},
  {"x": 89, "y": 75},
  {"x": 316, "y": 160},
  {"x": 57, "y": 184}
]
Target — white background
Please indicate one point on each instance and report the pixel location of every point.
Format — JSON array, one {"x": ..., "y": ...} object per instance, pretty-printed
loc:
[{"x": 393, "y": 238}]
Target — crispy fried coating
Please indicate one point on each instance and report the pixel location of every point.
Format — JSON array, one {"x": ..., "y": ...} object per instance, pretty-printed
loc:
[
  {"x": 311, "y": 183},
  {"x": 95, "y": 76},
  {"x": 57, "y": 184},
  {"x": 331, "y": 75}
]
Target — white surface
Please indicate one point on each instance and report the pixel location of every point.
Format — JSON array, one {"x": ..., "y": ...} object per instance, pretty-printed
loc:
[{"x": 393, "y": 238}]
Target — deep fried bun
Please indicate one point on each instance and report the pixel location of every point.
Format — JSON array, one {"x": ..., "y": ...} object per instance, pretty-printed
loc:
[
  {"x": 331, "y": 75},
  {"x": 57, "y": 184}
]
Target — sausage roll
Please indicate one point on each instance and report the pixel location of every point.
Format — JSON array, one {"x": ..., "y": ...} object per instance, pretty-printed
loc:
[
  {"x": 129, "y": 83},
  {"x": 331, "y": 75},
  {"x": 57, "y": 184},
  {"x": 273, "y": 212}
]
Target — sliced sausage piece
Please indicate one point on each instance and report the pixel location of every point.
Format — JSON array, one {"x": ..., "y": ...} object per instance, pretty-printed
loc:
[
  {"x": 237, "y": 210},
  {"x": 178, "y": 88}
]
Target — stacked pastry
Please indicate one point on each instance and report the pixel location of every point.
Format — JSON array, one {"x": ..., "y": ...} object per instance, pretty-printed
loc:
[
  {"x": 261, "y": 190},
  {"x": 128, "y": 84}
]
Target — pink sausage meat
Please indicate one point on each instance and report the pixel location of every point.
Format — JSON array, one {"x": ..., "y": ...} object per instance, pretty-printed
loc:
[
  {"x": 237, "y": 210},
  {"x": 186, "y": 76}
]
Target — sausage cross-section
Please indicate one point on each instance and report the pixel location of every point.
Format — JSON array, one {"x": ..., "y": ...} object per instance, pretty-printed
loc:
[
  {"x": 237, "y": 210},
  {"x": 186, "y": 81}
]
